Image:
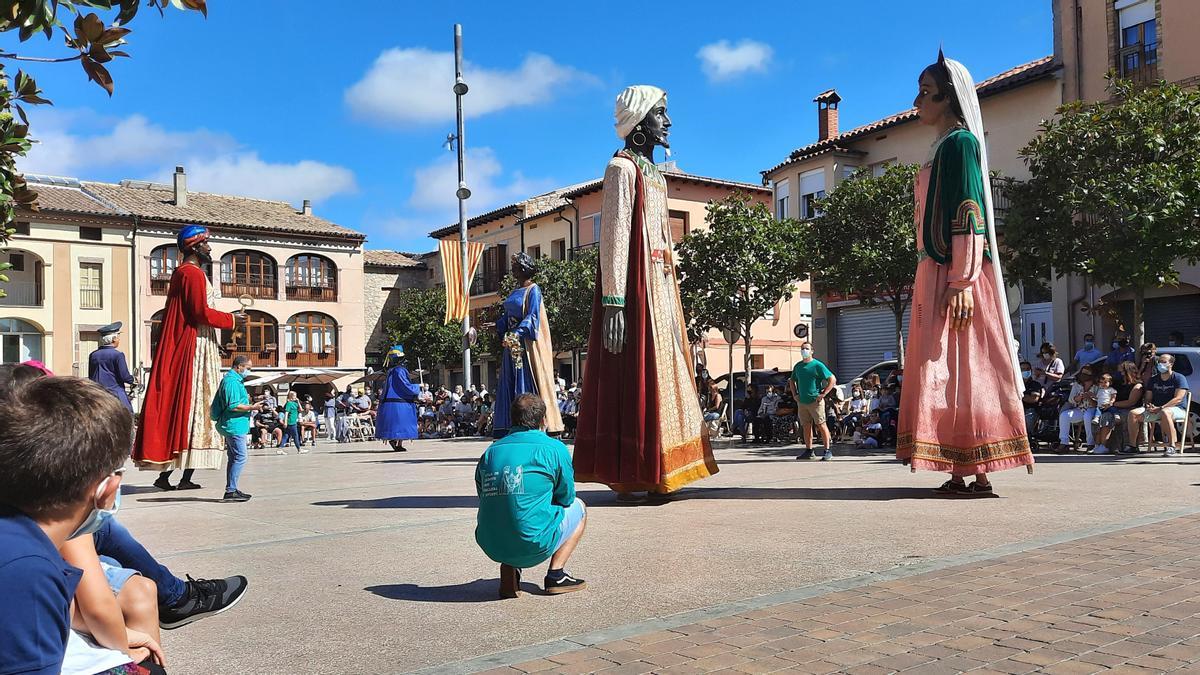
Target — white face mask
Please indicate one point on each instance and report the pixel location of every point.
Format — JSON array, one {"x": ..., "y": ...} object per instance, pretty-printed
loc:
[{"x": 805, "y": 353}]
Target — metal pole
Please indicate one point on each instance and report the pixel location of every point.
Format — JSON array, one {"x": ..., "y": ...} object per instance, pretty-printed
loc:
[{"x": 460, "y": 88}]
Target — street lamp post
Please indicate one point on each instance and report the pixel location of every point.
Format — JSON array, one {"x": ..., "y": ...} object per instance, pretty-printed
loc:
[{"x": 463, "y": 193}]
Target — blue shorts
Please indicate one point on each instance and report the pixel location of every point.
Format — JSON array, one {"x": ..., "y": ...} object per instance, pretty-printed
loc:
[
  {"x": 572, "y": 516},
  {"x": 117, "y": 575}
]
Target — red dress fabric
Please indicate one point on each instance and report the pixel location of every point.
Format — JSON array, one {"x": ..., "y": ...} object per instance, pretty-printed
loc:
[
  {"x": 164, "y": 425},
  {"x": 619, "y": 408}
]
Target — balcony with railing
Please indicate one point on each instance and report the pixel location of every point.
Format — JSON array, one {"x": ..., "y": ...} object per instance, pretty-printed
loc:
[
  {"x": 159, "y": 283},
  {"x": 485, "y": 284},
  {"x": 303, "y": 359},
  {"x": 254, "y": 285},
  {"x": 266, "y": 357},
  {"x": 21, "y": 294},
  {"x": 315, "y": 290}
]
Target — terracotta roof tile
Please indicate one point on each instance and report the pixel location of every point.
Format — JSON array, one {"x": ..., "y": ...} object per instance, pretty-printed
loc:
[
  {"x": 1026, "y": 72},
  {"x": 66, "y": 194},
  {"x": 156, "y": 201},
  {"x": 381, "y": 258}
]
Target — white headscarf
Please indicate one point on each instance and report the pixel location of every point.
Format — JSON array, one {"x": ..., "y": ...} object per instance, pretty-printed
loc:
[
  {"x": 634, "y": 104},
  {"x": 968, "y": 101}
]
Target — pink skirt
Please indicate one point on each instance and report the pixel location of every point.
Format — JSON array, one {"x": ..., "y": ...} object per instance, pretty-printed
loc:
[{"x": 960, "y": 410}]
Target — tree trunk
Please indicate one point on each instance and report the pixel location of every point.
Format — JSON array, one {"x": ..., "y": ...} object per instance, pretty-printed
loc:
[
  {"x": 898, "y": 313},
  {"x": 745, "y": 361},
  {"x": 732, "y": 337},
  {"x": 1139, "y": 319}
]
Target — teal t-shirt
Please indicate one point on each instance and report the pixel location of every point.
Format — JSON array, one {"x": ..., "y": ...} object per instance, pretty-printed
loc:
[
  {"x": 524, "y": 481},
  {"x": 231, "y": 394},
  {"x": 292, "y": 410},
  {"x": 808, "y": 378}
]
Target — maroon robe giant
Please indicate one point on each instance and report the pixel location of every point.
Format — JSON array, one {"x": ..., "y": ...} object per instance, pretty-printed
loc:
[{"x": 174, "y": 429}]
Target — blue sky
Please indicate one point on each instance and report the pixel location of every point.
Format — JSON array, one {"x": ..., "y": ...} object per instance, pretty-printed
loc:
[{"x": 348, "y": 103}]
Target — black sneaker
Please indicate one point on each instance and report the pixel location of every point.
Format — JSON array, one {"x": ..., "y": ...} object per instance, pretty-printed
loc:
[
  {"x": 807, "y": 454},
  {"x": 236, "y": 496},
  {"x": 163, "y": 484},
  {"x": 1129, "y": 450},
  {"x": 566, "y": 584},
  {"x": 188, "y": 485},
  {"x": 203, "y": 598}
]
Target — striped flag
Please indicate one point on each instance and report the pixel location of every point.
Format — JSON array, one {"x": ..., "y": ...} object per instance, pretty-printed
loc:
[{"x": 457, "y": 303}]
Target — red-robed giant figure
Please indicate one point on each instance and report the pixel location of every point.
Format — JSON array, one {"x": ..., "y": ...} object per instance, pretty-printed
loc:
[
  {"x": 175, "y": 430},
  {"x": 640, "y": 424}
]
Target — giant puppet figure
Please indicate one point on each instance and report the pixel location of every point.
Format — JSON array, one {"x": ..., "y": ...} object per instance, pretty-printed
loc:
[
  {"x": 175, "y": 431},
  {"x": 397, "y": 418},
  {"x": 961, "y": 408},
  {"x": 527, "y": 354},
  {"x": 640, "y": 425}
]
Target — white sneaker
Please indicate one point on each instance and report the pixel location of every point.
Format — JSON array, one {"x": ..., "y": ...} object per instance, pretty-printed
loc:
[
  {"x": 281, "y": 452},
  {"x": 1101, "y": 450},
  {"x": 1169, "y": 452},
  {"x": 304, "y": 451}
]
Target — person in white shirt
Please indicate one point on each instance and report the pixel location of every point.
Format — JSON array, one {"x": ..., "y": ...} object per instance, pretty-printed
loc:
[
  {"x": 1050, "y": 368},
  {"x": 1104, "y": 417},
  {"x": 1078, "y": 408}
]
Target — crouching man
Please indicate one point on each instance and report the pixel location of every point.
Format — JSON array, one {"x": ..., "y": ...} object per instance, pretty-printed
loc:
[{"x": 528, "y": 511}]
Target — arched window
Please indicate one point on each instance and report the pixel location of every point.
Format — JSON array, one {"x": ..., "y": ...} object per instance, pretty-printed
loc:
[
  {"x": 310, "y": 339},
  {"x": 156, "y": 322},
  {"x": 163, "y": 261},
  {"x": 26, "y": 279},
  {"x": 248, "y": 273},
  {"x": 258, "y": 341},
  {"x": 20, "y": 341},
  {"x": 311, "y": 277}
]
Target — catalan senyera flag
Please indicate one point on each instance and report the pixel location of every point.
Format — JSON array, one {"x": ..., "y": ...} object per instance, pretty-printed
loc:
[{"x": 457, "y": 303}]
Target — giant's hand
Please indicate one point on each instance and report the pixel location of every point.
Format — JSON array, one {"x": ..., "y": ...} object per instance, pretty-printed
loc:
[
  {"x": 614, "y": 329},
  {"x": 960, "y": 305}
]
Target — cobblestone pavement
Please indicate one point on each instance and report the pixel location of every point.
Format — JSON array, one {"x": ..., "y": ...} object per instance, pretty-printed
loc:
[{"x": 1122, "y": 602}]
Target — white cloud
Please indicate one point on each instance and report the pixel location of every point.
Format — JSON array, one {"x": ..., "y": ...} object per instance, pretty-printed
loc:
[
  {"x": 723, "y": 61},
  {"x": 413, "y": 86},
  {"x": 434, "y": 184},
  {"x": 75, "y": 143},
  {"x": 246, "y": 174}
]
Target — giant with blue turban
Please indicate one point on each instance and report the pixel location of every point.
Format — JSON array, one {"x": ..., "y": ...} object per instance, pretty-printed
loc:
[
  {"x": 397, "y": 419},
  {"x": 174, "y": 430}
]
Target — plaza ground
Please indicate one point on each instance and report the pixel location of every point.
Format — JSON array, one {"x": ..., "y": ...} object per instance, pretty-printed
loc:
[{"x": 363, "y": 560}]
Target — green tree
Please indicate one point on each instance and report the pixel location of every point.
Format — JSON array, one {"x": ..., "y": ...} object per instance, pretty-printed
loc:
[
  {"x": 1114, "y": 193},
  {"x": 738, "y": 269},
  {"x": 863, "y": 241},
  {"x": 92, "y": 42},
  {"x": 417, "y": 324}
]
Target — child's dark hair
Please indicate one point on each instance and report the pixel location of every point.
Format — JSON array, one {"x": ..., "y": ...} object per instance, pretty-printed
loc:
[
  {"x": 61, "y": 435},
  {"x": 16, "y": 375}
]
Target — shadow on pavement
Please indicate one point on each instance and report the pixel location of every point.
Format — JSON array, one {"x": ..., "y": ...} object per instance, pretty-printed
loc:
[
  {"x": 168, "y": 500},
  {"x": 408, "y": 502},
  {"x": 480, "y": 590},
  {"x": 453, "y": 461},
  {"x": 138, "y": 489}
]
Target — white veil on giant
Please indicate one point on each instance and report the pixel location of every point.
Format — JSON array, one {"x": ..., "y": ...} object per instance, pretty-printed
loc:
[{"x": 968, "y": 101}]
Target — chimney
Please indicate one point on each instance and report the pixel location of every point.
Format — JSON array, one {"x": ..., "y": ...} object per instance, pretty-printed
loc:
[
  {"x": 307, "y": 208},
  {"x": 827, "y": 114},
  {"x": 180, "y": 187}
]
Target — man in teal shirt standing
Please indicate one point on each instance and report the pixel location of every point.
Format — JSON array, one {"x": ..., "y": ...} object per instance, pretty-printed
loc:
[
  {"x": 528, "y": 510},
  {"x": 231, "y": 409},
  {"x": 811, "y": 382}
]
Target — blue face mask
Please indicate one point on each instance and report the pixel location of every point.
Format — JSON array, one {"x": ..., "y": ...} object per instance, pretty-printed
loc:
[
  {"x": 1027, "y": 374},
  {"x": 1089, "y": 345},
  {"x": 96, "y": 518},
  {"x": 1163, "y": 367},
  {"x": 805, "y": 353}
]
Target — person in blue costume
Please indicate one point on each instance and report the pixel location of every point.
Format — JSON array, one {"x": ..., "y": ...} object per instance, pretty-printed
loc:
[
  {"x": 397, "y": 418},
  {"x": 526, "y": 352}
]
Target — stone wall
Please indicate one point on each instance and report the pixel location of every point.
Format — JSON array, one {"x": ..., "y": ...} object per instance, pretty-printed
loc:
[{"x": 379, "y": 303}]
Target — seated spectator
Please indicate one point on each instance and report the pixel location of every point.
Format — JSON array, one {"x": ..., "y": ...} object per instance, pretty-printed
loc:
[
  {"x": 59, "y": 477},
  {"x": 268, "y": 428},
  {"x": 360, "y": 404},
  {"x": 1086, "y": 356},
  {"x": 1162, "y": 404},
  {"x": 1147, "y": 359},
  {"x": 747, "y": 412},
  {"x": 764, "y": 424},
  {"x": 785, "y": 419},
  {"x": 1174, "y": 339},
  {"x": 528, "y": 510},
  {"x": 1049, "y": 369},
  {"x": 1032, "y": 398},
  {"x": 1121, "y": 352},
  {"x": 1130, "y": 392},
  {"x": 1078, "y": 408},
  {"x": 854, "y": 410},
  {"x": 308, "y": 424},
  {"x": 483, "y": 415},
  {"x": 570, "y": 413},
  {"x": 713, "y": 403},
  {"x": 1105, "y": 417},
  {"x": 868, "y": 435}
]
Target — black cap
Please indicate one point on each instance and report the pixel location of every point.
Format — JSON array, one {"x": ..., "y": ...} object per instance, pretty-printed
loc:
[{"x": 114, "y": 327}]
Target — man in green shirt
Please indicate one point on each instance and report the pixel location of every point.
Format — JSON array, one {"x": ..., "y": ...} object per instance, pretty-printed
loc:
[
  {"x": 811, "y": 382},
  {"x": 528, "y": 510},
  {"x": 231, "y": 410}
]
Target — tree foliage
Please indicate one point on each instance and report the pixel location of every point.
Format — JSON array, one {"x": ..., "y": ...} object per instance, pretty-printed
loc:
[
  {"x": 417, "y": 324},
  {"x": 1114, "y": 193},
  {"x": 738, "y": 269},
  {"x": 93, "y": 43},
  {"x": 863, "y": 241}
]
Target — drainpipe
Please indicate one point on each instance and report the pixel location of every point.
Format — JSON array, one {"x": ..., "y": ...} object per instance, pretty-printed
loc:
[
  {"x": 570, "y": 229},
  {"x": 522, "y": 241},
  {"x": 1071, "y": 313},
  {"x": 1078, "y": 51},
  {"x": 135, "y": 330}
]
